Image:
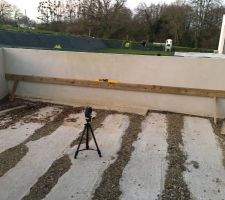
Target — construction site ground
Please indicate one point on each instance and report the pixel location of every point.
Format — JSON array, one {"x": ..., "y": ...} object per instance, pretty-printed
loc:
[{"x": 159, "y": 155}]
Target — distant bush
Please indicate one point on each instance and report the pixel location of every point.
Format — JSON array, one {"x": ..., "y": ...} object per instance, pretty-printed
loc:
[
  {"x": 148, "y": 47},
  {"x": 113, "y": 43},
  {"x": 153, "y": 47},
  {"x": 189, "y": 49}
]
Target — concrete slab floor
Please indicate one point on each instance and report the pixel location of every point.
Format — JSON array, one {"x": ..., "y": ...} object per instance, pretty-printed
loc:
[
  {"x": 18, "y": 132},
  {"x": 148, "y": 161},
  {"x": 85, "y": 173},
  {"x": 39, "y": 158},
  {"x": 205, "y": 175},
  {"x": 143, "y": 177}
]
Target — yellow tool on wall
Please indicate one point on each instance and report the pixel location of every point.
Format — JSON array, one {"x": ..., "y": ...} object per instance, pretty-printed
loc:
[{"x": 107, "y": 81}]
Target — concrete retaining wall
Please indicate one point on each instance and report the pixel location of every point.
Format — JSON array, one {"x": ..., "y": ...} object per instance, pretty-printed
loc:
[
  {"x": 167, "y": 71},
  {"x": 3, "y": 83}
]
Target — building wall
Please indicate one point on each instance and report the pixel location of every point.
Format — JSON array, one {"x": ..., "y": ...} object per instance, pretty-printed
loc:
[
  {"x": 3, "y": 83},
  {"x": 221, "y": 46},
  {"x": 224, "y": 47},
  {"x": 200, "y": 73}
]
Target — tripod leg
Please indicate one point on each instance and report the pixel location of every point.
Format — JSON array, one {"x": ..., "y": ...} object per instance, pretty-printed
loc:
[
  {"x": 98, "y": 150},
  {"x": 81, "y": 139},
  {"x": 87, "y": 138}
]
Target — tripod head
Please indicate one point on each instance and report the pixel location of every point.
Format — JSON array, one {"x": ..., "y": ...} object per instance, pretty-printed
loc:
[{"x": 88, "y": 114}]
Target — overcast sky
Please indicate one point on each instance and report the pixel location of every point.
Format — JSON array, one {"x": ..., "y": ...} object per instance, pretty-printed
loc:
[{"x": 31, "y": 5}]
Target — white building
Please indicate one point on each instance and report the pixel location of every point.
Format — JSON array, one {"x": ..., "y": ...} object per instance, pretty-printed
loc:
[{"x": 221, "y": 48}]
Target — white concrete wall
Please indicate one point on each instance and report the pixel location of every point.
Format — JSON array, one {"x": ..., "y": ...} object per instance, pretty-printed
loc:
[
  {"x": 3, "y": 83},
  {"x": 167, "y": 71},
  {"x": 224, "y": 48},
  {"x": 221, "y": 47}
]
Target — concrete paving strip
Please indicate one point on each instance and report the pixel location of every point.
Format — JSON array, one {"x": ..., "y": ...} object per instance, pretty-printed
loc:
[
  {"x": 42, "y": 153},
  {"x": 206, "y": 174},
  {"x": 85, "y": 174},
  {"x": 143, "y": 177},
  {"x": 16, "y": 134}
]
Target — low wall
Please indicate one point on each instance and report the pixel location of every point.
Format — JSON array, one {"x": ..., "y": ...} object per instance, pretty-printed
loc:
[
  {"x": 199, "y": 73},
  {"x": 3, "y": 83}
]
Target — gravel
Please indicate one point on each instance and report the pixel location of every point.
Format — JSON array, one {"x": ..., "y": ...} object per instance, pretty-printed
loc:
[
  {"x": 6, "y": 104},
  {"x": 221, "y": 138},
  {"x": 16, "y": 115},
  {"x": 51, "y": 126},
  {"x": 109, "y": 187},
  {"x": 46, "y": 182},
  {"x": 10, "y": 157},
  {"x": 175, "y": 187}
]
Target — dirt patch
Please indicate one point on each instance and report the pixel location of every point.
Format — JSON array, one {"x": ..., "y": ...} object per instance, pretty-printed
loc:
[
  {"x": 217, "y": 128},
  {"x": 6, "y": 104},
  {"x": 96, "y": 123},
  {"x": 10, "y": 157},
  {"x": 175, "y": 187},
  {"x": 46, "y": 182},
  {"x": 109, "y": 187},
  {"x": 51, "y": 126},
  {"x": 16, "y": 115}
]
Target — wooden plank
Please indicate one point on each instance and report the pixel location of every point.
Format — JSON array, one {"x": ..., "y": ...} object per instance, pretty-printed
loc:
[
  {"x": 12, "y": 94},
  {"x": 120, "y": 86}
]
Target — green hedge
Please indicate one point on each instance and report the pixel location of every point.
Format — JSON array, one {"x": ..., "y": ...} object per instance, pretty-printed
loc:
[
  {"x": 113, "y": 43},
  {"x": 189, "y": 49},
  {"x": 152, "y": 47},
  {"x": 148, "y": 47}
]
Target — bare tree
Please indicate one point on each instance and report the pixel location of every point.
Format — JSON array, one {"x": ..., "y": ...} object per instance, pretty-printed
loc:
[
  {"x": 51, "y": 11},
  {"x": 6, "y": 10},
  {"x": 72, "y": 10},
  {"x": 179, "y": 18},
  {"x": 201, "y": 12},
  {"x": 188, "y": 22},
  {"x": 100, "y": 13},
  {"x": 17, "y": 14},
  {"x": 149, "y": 16}
]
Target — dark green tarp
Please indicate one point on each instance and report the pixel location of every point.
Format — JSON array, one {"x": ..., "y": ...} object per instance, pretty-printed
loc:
[{"x": 48, "y": 41}]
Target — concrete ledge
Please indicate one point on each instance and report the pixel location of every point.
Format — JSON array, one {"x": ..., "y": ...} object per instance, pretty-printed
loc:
[
  {"x": 138, "y": 102},
  {"x": 204, "y": 73}
]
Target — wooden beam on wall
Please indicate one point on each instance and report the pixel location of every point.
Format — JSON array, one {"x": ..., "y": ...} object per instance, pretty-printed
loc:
[{"x": 120, "y": 86}]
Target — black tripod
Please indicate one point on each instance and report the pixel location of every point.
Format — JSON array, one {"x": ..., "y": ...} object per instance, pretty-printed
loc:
[{"x": 87, "y": 128}]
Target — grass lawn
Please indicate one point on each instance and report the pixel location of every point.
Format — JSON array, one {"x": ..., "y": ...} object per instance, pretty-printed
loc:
[{"x": 136, "y": 52}]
